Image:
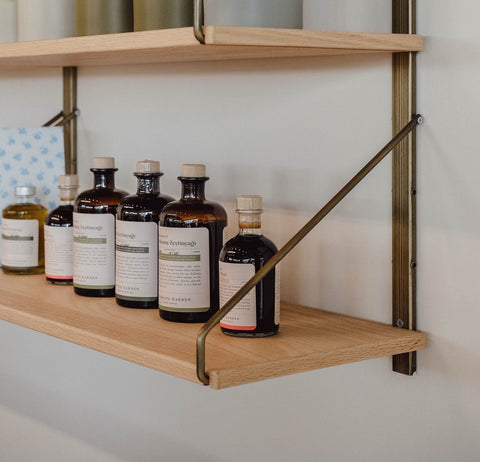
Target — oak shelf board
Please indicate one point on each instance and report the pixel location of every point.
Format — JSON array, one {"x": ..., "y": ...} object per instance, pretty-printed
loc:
[
  {"x": 309, "y": 339},
  {"x": 180, "y": 45}
]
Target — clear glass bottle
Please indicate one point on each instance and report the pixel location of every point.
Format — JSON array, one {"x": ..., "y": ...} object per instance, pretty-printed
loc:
[
  {"x": 136, "y": 265},
  {"x": 59, "y": 234},
  {"x": 22, "y": 234},
  {"x": 94, "y": 232},
  {"x": 258, "y": 313},
  {"x": 190, "y": 239}
]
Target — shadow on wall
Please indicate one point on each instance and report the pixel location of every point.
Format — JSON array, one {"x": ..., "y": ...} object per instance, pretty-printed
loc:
[{"x": 109, "y": 433}]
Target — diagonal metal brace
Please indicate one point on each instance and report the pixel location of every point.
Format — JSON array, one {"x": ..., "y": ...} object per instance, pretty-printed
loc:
[{"x": 259, "y": 275}]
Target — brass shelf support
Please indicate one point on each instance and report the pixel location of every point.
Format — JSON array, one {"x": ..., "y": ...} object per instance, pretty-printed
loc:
[
  {"x": 198, "y": 20},
  {"x": 259, "y": 275}
]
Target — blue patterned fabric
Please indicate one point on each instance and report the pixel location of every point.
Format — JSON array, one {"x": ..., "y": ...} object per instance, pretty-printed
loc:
[{"x": 31, "y": 157}]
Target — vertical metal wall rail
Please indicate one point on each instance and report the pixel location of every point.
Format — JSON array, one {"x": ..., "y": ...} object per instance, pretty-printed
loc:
[
  {"x": 70, "y": 127},
  {"x": 404, "y": 185}
]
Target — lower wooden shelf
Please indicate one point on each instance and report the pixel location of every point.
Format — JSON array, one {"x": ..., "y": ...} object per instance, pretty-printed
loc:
[{"x": 309, "y": 339}]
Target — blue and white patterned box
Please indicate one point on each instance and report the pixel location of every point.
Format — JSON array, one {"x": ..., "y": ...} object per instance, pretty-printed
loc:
[{"x": 32, "y": 157}]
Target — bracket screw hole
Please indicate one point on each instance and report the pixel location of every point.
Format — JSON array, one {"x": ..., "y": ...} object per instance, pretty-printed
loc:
[{"x": 400, "y": 323}]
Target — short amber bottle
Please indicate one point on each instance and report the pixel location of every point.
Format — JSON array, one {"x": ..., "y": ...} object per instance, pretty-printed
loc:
[
  {"x": 94, "y": 232},
  {"x": 22, "y": 234},
  {"x": 190, "y": 239},
  {"x": 136, "y": 279},
  {"x": 258, "y": 313}
]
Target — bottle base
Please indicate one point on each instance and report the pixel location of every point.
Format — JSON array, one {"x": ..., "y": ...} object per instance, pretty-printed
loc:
[
  {"x": 174, "y": 316},
  {"x": 60, "y": 282},
  {"x": 248, "y": 334},
  {"x": 23, "y": 271},
  {"x": 137, "y": 304},
  {"x": 94, "y": 292}
]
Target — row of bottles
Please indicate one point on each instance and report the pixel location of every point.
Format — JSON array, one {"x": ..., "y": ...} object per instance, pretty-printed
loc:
[{"x": 150, "y": 251}]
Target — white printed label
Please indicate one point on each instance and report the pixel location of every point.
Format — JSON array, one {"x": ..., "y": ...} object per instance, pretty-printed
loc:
[
  {"x": 93, "y": 250},
  {"x": 232, "y": 277},
  {"x": 20, "y": 243},
  {"x": 59, "y": 252},
  {"x": 136, "y": 263},
  {"x": 183, "y": 269}
]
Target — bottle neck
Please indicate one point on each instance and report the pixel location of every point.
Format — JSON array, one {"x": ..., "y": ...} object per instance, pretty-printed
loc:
[
  {"x": 104, "y": 178},
  {"x": 67, "y": 195},
  {"x": 193, "y": 188},
  {"x": 249, "y": 223},
  {"x": 148, "y": 183}
]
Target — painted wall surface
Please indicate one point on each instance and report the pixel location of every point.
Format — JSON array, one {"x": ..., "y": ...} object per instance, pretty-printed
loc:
[{"x": 293, "y": 131}]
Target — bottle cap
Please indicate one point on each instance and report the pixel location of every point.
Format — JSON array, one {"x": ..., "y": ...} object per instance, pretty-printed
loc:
[
  {"x": 253, "y": 203},
  {"x": 25, "y": 190},
  {"x": 103, "y": 162},
  {"x": 68, "y": 181},
  {"x": 148, "y": 166},
  {"x": 194, "y": 170}
]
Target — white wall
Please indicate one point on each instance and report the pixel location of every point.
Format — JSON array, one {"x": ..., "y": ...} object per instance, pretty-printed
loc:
[{"x": 294, "y": 131}]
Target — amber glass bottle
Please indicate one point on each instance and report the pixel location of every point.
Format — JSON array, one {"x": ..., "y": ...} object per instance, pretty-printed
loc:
[
  {"x": 59, "y": 234},
  {"x": 136, "y": 265},
  {"x": 22, "y": 234},
  {"x": 258, "y": 313},
  {"x": 94, "y": 232},
  {"x": 190, "y": 240}
]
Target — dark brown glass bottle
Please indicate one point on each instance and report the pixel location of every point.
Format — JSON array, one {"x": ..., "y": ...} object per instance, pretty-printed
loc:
[
  {"x": 94, "y": 232},
  {"x": 136, "y": 266},
  {"x": 258, "y": 313},
  {"x": 22, "y": 234},
  {"x": 190, "y": 239},
  {"x": 59, "y": 234}
]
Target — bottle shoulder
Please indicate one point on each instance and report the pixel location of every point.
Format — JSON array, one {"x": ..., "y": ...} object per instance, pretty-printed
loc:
[
  {"x": 61, "y": 216},
  {"x": 144, "y": 207},
  {"x": 98, "y": 200},
  {"x": 248, "y": 249},
  {"x": 201, "y": 211},
  {"x": 25, "y": 210}
]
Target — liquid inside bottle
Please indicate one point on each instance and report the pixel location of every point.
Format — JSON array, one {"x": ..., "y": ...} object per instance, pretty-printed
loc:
[
  {"x": 23, "y": 234},
  {"x": 190, "y": 239},
  {"x": 94, "y": 232},
  {"x": 136, "y": 279},
  {"x": 258, "y": 313},
  {"x": 59, "y": 234}
]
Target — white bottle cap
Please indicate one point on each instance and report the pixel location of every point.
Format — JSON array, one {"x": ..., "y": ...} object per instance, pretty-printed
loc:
[
  {"x": 25, "y": 190},
  {"x": 68, "y": 181},
  {"x": 148, "y": 166},
  {"x": 251, "y": 203},
  {"x": 193, "y": 170},
  {"x": 103, "y": 162}
]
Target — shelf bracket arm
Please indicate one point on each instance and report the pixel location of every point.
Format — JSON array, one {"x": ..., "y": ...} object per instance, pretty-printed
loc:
[
  {"x": 198, "y": 20},
  {"x": 259, "y": 275}
]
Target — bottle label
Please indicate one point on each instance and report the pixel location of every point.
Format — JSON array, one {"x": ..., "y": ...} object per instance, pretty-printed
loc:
[
  {"x": 59, "y": 252},
  {"x": 232, "y": 277},
  {"x": 93, "y": 250},
  {"x": 136, "y": 253},
  {"x": 20, "y": 243},
  {"x": 183, "y": 269}
]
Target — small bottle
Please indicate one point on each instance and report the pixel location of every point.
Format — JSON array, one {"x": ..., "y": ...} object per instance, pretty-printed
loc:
[
  {"x": 22, "y": 234},
  {"x": 190, "y": 238},
  {"x": 94, "y": 232},
  {"x": 136, "y": 265},
  {"x": 59, "y": 234},
  {"x": 258, "y": 313}
]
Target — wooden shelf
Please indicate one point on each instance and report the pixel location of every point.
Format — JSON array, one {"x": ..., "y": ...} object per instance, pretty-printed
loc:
[
  {"x": 309, "y": 339},
  {"x": 180, "y": 45}
]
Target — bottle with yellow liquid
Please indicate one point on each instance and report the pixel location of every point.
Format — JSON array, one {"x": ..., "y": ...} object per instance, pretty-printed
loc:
[{"x": 22, "y": 234}]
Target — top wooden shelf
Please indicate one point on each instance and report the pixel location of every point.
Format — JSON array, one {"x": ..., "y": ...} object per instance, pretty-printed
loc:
[
  {"x": 308, "y": 339},
  {"x": 180, "y": 45}
]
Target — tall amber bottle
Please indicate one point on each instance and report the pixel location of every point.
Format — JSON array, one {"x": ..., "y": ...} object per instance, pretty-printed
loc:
[
  {"x": 22, "y": 234},
  {"x": 94, "y": 232},
  {"x": 190, "y": 239},
  {"x": 136, "y": 265}
]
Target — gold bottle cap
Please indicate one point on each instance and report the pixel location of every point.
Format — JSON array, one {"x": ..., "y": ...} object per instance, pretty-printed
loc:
[
  {"x": 148, "y": 166},
  {"x": 194, "y": 171},
  {"x": 251, "y": 203},
  {"x": 68, "y": 181},
  {"x": 103, "y": 162}
]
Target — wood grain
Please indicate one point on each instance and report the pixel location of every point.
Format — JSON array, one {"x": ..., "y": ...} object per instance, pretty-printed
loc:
[
  {"x": 180, "y": 45},
  {"x": 309, "y": 339}
]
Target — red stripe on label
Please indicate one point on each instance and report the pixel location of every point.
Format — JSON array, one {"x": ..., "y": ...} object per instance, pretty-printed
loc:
[
  {"x": 226, "y": 326},
  {"x": 58, "y": 277}
]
